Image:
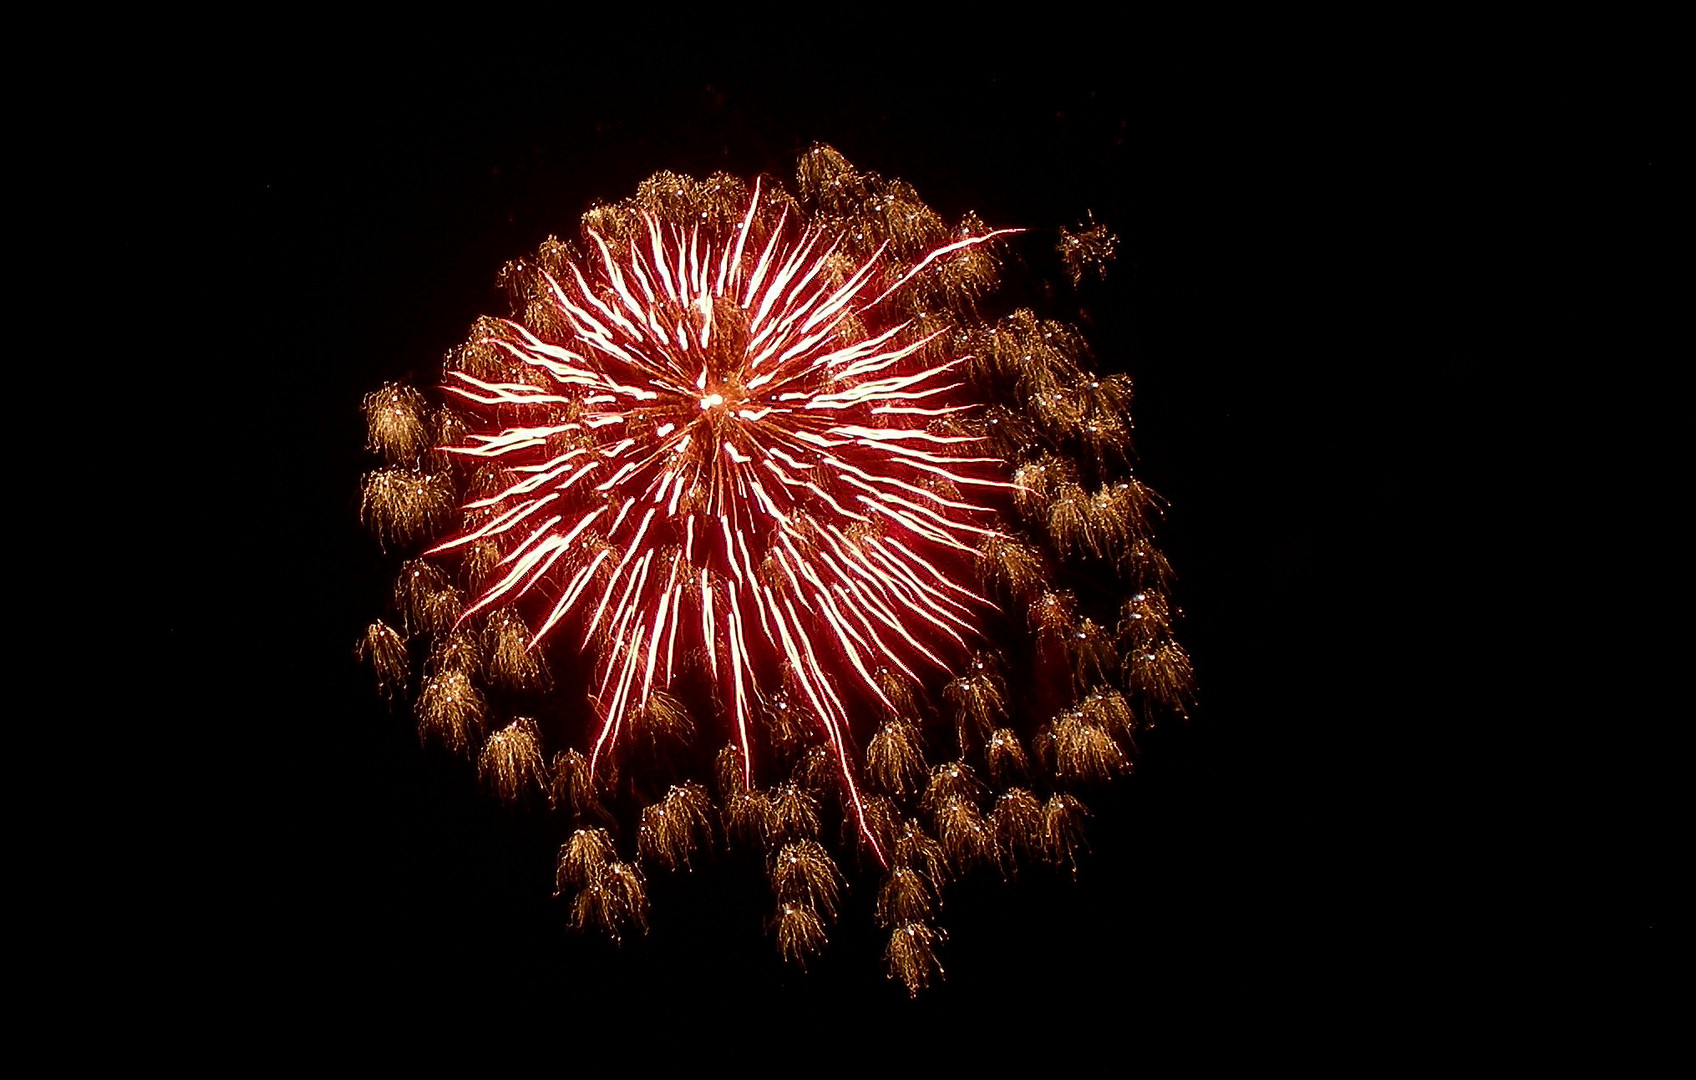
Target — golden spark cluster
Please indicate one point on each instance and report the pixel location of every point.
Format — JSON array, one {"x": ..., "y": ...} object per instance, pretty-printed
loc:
[{"x": 756, "y": 527}]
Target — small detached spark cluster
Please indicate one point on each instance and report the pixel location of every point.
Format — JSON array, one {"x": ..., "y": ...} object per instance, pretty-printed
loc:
[{"x": 831, "y": 561}]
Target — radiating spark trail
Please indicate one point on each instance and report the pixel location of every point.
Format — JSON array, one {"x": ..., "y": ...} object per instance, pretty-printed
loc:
[{"x": 696, "y": 366}]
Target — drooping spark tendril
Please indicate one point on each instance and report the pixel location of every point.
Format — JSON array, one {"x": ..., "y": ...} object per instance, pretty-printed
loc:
[{"x": 774, "y": 444}]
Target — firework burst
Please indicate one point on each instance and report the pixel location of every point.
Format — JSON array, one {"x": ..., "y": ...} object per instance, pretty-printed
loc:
[{"x": 763, "y": 464}]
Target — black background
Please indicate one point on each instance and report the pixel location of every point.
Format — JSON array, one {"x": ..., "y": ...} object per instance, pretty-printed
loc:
[{"x": 1298, "y": 272}]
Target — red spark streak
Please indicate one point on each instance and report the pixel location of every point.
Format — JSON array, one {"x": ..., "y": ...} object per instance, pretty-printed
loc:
[{"x": 715, "y": 474}]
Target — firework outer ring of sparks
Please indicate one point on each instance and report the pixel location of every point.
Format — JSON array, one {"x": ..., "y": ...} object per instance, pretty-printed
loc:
[{"x": 806, "y": 397}]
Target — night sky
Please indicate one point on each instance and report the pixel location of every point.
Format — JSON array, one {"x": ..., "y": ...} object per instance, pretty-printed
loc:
[{"x": 1286, "y": 845}]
